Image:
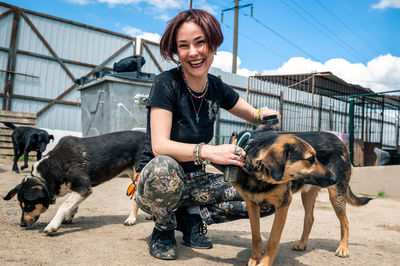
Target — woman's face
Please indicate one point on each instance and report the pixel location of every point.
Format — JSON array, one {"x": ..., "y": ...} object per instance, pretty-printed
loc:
[{"x": 193, "y": 50}]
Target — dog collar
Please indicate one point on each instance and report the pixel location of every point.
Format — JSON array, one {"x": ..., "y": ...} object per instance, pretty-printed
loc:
[{"x": 43, "y": 183}]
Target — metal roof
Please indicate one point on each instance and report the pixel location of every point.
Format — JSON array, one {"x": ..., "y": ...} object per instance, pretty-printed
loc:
[{"x": 327, "y": 84}]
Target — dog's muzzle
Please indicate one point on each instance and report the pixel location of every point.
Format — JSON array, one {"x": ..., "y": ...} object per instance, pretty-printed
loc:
[{"x": 321, "y": 181}]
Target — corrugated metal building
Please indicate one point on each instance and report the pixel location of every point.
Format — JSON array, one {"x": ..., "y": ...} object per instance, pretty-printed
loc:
[{"x": 41, "y": 56}]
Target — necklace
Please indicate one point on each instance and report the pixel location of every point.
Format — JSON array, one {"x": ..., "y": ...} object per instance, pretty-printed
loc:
[
  {"x": 197, "y": 111},
  {"x": 203, "y": 91}
]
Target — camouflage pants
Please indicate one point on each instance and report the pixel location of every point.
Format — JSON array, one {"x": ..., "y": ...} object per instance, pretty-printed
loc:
[{"x": 163, "y": 187}]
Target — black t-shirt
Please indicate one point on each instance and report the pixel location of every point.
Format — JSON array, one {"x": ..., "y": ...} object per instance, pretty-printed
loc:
[{"x": 169, "y": 92}]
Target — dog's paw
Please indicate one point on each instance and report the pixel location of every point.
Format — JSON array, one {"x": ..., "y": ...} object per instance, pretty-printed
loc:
[
  {"x": 342, "y": 252},
  {"x": 130, "y": 221},
  {"x": 252, "y": 262},
  {"x": 299, "y": 246},
  {"x": 50, "y": 230},
  {"x": 23, "y": 167},
  {"x": 148, "y": 217}
]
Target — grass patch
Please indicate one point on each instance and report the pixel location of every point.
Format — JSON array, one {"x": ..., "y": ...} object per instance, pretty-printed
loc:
[
  {"x": 381, "y": 194},
  {"x": 21, "y": 159}
]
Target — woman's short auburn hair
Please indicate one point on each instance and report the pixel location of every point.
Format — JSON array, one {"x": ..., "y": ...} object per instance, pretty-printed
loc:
[{"x": 207, "y": 22}]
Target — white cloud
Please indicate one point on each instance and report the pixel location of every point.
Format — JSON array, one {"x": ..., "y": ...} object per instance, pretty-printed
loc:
[
  {"x": 380, "y": 74},
  {"x": 139, "y": 34},
  {"x": 384, "y": 4},
  {"x": 223, "y": 61}
]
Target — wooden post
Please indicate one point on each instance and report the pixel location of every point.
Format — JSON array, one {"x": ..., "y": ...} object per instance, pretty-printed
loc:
[{"x": 12, "y": 57}]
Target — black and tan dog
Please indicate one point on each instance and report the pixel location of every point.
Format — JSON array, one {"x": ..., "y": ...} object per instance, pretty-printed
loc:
[
  {"x": 25, "y": 140},
  {"x": 76, "y": 165},
  {"x": 332, "y": 153},
  {"x": 277, "y": 166},
  {"x": 272, "y": 162}
]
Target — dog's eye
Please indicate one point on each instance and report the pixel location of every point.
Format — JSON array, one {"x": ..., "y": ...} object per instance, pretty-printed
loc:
[{"x": 311, "y": 159}]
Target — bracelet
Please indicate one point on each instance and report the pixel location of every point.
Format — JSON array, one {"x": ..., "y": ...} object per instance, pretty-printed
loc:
[
  {"x": 197, "y": 154},
  {"x": 257, "y": 117}
]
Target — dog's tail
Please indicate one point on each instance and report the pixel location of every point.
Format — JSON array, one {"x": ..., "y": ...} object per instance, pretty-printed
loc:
[
  {"x": 10, "y": 125},
  {"x": 354, "y": 200}
]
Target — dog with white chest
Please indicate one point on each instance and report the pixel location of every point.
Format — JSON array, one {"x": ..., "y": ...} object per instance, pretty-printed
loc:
[{"x": 74, "y": 166}]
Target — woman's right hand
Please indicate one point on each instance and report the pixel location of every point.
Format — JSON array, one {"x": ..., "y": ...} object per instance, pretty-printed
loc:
[{"x": 224, "y": 154}]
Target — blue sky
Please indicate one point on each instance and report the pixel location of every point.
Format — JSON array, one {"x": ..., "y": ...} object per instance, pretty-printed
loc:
[{"x": 357, "y": 40}]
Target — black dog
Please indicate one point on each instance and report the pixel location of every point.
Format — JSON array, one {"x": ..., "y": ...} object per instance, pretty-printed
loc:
[
  {"x": 76, "y": 165},
  {"x": 25, "y": 140},
  {"x": 332, "y": 153}
]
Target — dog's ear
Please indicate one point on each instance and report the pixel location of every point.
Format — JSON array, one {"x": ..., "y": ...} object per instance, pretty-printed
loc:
[
  {"x": 275, "y": 160},
  {"x": 12, "y": 192},
  {"x": 34, "y": 193},
  {"x": 51, "y": 137}
]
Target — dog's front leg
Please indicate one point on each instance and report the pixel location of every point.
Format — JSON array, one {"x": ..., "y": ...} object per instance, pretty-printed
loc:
[
  {"x": 308, "y": 199},
  {"x": 131, "y": 220},
  {"x": 254, "y": 215},
  {"x": 64, "y": 211},
  {"x": 275, "y": 235}
]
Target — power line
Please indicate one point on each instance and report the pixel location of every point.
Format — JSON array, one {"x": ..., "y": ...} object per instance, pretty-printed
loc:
[
  {"x": 346, "y": 26},
  {"x": 354, "y": 18},
  {"x": 260, "y": 44},
  {"x": 330, "y": 31},
  {"x": 317, "y": 27},
  {"x": 333, "y": 15},
  {"x": 235, "y": 30},
  {"x": 283, "y": 38}
]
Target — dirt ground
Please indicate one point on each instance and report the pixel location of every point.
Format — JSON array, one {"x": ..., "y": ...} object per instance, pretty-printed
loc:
[{"x": 97, "y": 236}]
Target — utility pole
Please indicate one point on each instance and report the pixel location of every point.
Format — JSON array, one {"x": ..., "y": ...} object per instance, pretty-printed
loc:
[
  {"x": 235, "y": 37},
  {"x": 191, "y": 4},
  {"x": 235, "y": 30}
]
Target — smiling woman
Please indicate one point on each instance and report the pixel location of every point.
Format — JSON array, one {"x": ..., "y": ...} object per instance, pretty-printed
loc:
[{"x": 182, "y": 108}]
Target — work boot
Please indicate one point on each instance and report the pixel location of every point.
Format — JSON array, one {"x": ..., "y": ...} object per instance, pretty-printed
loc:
[
  {"x": 162, "y": 245},
  {"x": 193, "y": 229}
]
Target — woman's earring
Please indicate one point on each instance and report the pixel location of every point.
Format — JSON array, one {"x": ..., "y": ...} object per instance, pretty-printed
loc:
[{"x": 215, "y": 52}]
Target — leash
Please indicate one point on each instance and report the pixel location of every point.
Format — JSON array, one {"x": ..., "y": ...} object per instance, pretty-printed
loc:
[{"x": 132, "y": 187}]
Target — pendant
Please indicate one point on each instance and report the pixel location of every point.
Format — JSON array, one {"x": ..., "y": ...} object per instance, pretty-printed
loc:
[{"x": 197, "y": 119}]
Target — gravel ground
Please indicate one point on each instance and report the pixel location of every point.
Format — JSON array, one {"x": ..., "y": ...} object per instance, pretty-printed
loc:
[{"x": 98, "y": 237}]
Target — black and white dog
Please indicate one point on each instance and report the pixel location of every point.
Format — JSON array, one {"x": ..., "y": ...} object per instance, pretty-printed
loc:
[
  {"x": 76, "y": 165},
  {"x": 25, "y": 140}
]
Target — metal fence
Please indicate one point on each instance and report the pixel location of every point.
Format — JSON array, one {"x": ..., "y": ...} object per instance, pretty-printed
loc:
[
  {"x": 322, "y": 102},
  {"x": 374, "y": 124}
]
